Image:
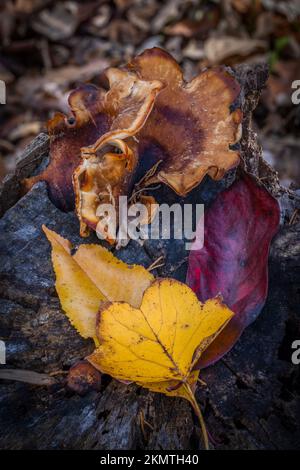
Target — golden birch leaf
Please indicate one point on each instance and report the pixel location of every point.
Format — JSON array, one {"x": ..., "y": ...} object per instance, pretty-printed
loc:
[
  {"x": 158, "y": 344},
  {"x": 90, "y": 276}
]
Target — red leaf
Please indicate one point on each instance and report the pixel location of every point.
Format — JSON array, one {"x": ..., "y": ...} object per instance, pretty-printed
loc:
[{"x": 238, "y": 229}]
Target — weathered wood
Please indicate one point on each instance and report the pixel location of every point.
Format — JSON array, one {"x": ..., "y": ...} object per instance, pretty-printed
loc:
[
  {"x": 252, "y": 397},
  {"x": 33, "y": 158}
]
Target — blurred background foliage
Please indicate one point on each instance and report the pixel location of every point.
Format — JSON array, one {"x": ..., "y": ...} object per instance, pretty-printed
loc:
[{"x": 48, "y": 47}]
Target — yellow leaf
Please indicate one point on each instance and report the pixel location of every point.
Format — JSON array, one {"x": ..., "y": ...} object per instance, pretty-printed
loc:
[
  {"x": 90, "y": 276},
  {"x": 158, "y": 344},
  {"x": 173, "y": 388},
  {"x": 162, "y": 339}
]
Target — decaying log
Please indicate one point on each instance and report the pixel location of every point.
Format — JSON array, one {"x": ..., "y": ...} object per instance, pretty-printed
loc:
[{"x": 252, "y": 396}]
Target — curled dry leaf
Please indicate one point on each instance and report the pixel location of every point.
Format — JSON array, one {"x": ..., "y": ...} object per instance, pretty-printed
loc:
[
  {"x": 90, "y": 276},
  {"x": 233, "y": 262},
  {"x": 150, "y": 115},
  {"x": 221, "y": 49},
  {"x": 158, "y": 344}
]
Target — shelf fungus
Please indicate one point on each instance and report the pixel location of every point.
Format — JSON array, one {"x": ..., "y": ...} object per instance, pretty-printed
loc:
[
  {"x": 150, "y": 122},
  {"x": 107, "y": 169},
  {"x": 67, "y": 135}
]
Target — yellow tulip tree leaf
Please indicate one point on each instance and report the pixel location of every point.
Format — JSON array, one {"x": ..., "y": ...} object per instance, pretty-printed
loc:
[
  {"x": 90, "y": 276},
  {"x": 158, "y": 344}
]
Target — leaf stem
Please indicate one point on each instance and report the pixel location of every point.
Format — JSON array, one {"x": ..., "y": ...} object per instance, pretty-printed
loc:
[{"x": 198, "y": 413}]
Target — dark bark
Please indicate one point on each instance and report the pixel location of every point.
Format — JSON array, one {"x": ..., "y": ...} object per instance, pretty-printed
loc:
[{"x": 252, "y": 397}]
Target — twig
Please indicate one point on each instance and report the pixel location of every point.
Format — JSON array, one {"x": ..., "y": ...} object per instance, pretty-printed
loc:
[
  {"x": 156, "y": 264},
  {"x": 27, "y": 376},
  {"x": 293, "y": 217},
  {"x": 143, "y": 422},
  {"x": 148, "y": 175}
]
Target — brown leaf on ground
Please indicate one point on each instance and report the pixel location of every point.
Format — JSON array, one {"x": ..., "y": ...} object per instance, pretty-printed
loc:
[
  {"x": 218, "y": 50},
  {"x": 279, "y": 90},
  {"x": 189, "y": 28},
  {"x": 50, "y": 90}
]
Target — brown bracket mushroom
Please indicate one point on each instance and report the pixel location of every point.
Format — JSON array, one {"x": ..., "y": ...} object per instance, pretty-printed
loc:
[{"x": 187, "y": 129}]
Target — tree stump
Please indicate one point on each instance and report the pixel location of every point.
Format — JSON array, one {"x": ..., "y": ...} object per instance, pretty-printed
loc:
[{"x": 252, "y": 396}]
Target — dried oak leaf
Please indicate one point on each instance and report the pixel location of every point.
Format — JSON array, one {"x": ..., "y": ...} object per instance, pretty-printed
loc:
[
  {"x": 158, "y": 344},
  {"x": 233, "y": 262},
  {"x": 90, "y": 276},
  {"x": 94, "y": 112}
]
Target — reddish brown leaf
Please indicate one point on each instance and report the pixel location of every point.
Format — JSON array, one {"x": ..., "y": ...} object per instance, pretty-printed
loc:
[{"x": 239, "y": 227}]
